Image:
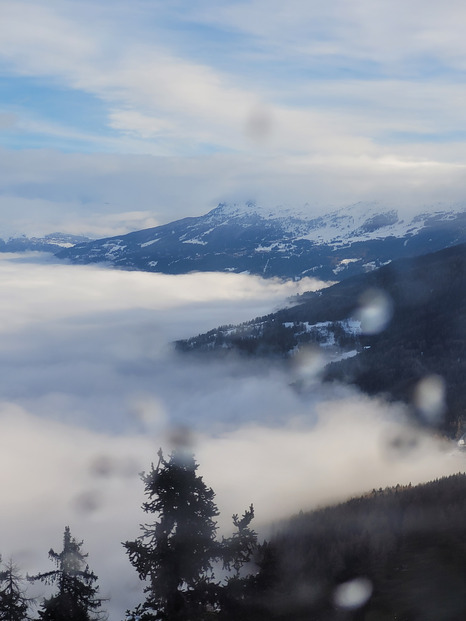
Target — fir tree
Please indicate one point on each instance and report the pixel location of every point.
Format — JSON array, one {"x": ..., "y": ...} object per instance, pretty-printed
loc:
[
  {"x": 175, "y": 553},
  {"x": 239, "y": 548},
  {"x": 76, "y": 598},
  {"x": 13, "y": 602},
  {"x": 237, "y": 552}
]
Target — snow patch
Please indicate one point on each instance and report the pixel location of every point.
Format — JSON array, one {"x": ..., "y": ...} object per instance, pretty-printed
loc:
[
  {"x": 149, "y": 243},
  {"x": 195, "y": 241}
]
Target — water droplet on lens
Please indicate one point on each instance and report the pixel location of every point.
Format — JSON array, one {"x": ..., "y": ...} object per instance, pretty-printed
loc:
[
  {"x": 429, "y": 398},
  {"x": 352, "y": 594},
  {"x": 375, "y": 311},
  {"x": 87, "y": 502}
]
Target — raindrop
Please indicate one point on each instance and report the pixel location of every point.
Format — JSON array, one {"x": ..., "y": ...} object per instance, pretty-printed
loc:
[
  {"x": 375, "y": 311},
  {"x": 352, "y": 594},
  {"x": 102, "y": 466},
  {"x": 400, "y": 443},
  {"x": 181, "y": 438},
  {"x": 88, "y": 502},
  {"x": 106, "y": 466},
  {"x": 309, "y": 363},
  {"x": 149, "y": 412},
  {"x": 259, "y": 124},
  {"x": 429, "y": 398}
]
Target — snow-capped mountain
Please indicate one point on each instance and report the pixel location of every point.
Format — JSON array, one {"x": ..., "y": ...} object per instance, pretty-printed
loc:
[{"x": 280, "y": 242}]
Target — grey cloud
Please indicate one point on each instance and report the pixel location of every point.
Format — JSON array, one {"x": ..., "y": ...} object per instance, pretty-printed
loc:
[{"x": 104, "y": 195}]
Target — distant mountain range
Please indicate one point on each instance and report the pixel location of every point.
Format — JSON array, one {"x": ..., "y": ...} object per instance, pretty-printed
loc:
[
  {"x": 386, "y": 331},
  {"x": 279, "y": 242},
  {"x": 49, "y": 243}
]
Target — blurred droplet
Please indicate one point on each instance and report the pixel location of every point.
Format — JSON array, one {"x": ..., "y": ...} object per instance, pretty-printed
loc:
[
  {"x": 352, "y": 594},
  {"x": 149, "y": 412},
  {"x": 87, "y": 502},
  {"x": 400, "y": 443},
  {"x": 102, "y": 466},
  {"x": 375, "y": 311},
  {"x": 259, "y": 124},
  {"x": 309, "y": 363},
  {"x": 106, "y": 466},
  {"x": 181, "y": 438},
  {"x": 429, "y": 398}
]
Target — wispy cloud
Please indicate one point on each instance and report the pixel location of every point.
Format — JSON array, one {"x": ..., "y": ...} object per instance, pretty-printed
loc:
[{"x": 333, "y": 80}]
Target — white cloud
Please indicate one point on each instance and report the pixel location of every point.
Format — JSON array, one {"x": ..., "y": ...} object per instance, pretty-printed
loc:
[
  {"x": 355, "y": 445},
  {"x": 387, "y": 32},
  {"x": 167, "y": 103},
  {"x": 134, "y": 122}
]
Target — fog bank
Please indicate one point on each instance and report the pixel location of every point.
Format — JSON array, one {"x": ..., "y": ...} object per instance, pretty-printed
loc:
[{"x": 90, "y": 389}]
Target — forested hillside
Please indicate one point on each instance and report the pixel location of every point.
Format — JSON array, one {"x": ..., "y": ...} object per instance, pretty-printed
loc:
[
  {"x": 398, "y": 553},
  {"x": 419, "y": 309}
]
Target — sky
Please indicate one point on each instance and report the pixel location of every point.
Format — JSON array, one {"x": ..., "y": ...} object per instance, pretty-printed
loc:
[
  {"x": 121, "y": 115},
  {"x": 90, "y": 389}
]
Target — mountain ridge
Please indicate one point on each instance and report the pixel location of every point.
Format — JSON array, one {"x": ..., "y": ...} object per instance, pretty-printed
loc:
[
  {"x": 51, "y": 242},
  {"x": 279, "y": 242}
]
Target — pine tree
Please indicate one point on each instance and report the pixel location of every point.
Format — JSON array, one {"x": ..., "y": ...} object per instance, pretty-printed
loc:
[
  {"x": 175, "y": 553},
  {"x": 239, "y": 548},
  {"x": 76, "y": 598},
  {"x": 237, "y": 552},
  {"x": 13, "y": 602}
]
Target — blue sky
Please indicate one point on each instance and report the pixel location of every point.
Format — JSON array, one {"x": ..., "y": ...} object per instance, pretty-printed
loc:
[{"x": 227, "y": 101}]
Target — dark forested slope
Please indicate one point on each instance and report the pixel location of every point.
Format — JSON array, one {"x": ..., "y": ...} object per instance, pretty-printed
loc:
[{"x": 398, "y": 553}]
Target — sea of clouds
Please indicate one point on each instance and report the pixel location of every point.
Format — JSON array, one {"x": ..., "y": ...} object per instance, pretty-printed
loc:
[{"x": 91, "y": 388}]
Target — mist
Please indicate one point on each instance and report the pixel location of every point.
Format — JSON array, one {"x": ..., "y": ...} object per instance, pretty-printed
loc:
[
  {"x": 101, "y": 195},
  {"x": 91, "y": 388}
]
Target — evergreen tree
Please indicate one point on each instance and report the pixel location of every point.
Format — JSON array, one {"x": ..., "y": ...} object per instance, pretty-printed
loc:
[
  {"x": 76, "y": 598},
  {"x": 13, "y": 602},
  {"x": 237, "y": 551},
  {"x": 175, "y": 553},
  {"x": 239, "y": 548}
]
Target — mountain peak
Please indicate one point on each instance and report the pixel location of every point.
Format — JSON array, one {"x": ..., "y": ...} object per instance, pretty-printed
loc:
[{"x": 252, "y": 208}]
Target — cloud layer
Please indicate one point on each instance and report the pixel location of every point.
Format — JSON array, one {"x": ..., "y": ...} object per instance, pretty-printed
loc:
[
  {"x": 90, "y": 390},
  {"x": 104, "y": 195}
]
